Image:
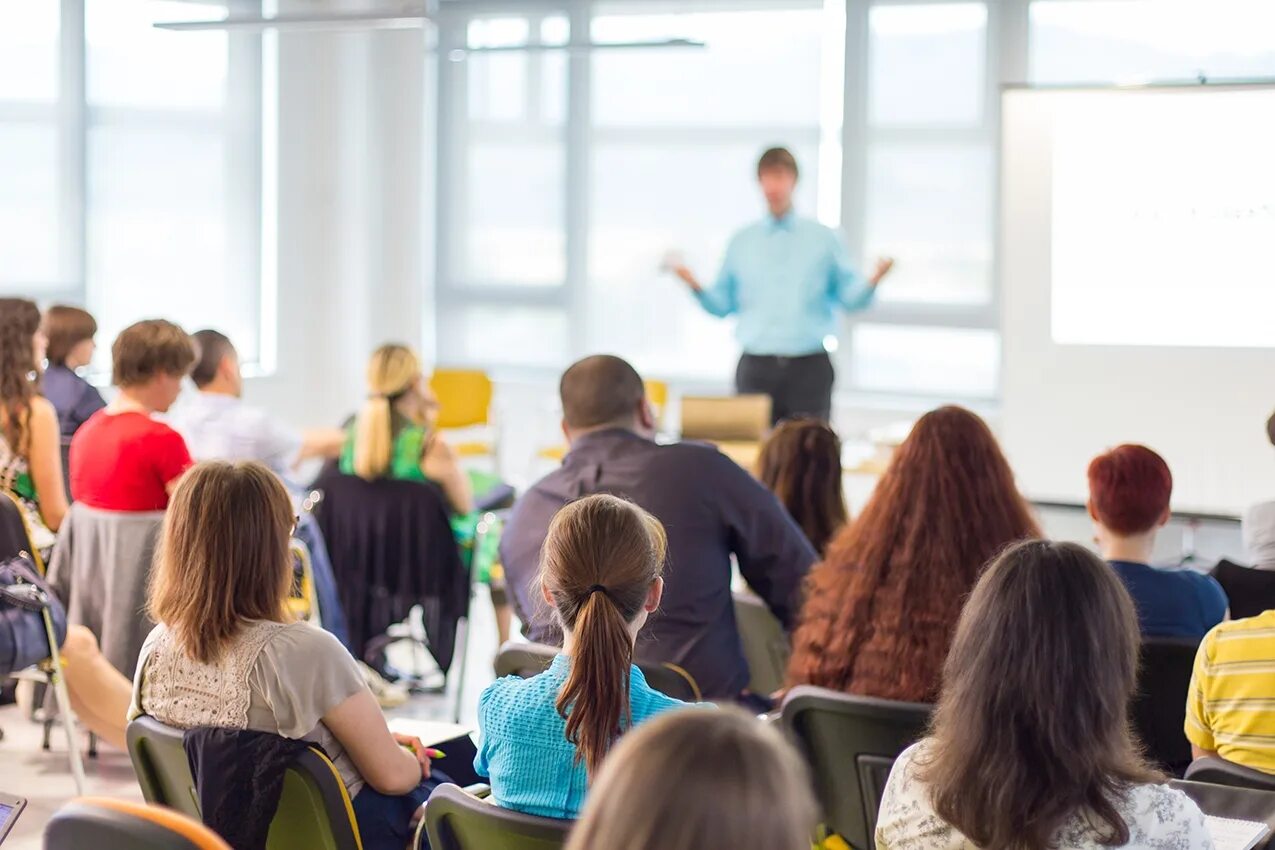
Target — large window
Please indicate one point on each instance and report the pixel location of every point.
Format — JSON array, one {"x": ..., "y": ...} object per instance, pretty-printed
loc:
[
  {"x": 567, "y": 176},
  {"x": 135, "y": 160},
  {"x": 1139, "y": 41}
]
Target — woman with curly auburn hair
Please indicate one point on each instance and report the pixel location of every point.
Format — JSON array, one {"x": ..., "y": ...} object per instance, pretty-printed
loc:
[{"x": 881, "y": 607}]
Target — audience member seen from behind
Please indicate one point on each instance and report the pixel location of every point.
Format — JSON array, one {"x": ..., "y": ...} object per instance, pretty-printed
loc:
[
  {"x": 123, "y": 459},
  {"x": 801, "y": 464},
  {"x": 70, "y": 331},
  {"x": 218, "y": 425},
  {"x": 1250, "y": 590},
  {"x": 393, "y": 435},
  {"x": 544, "y": 737},
  {"x": 881, "y": 607},
  {"x": 31, "y": 466},
  {"x": 1030, "y": 745},
  {"x": 712, "y": 508},
  {"x": 696, "y": 779},
  {"x": 1129, "y": 491},
  {"x": 226, "y": 653},
  {"x": 30, "y": 448}
]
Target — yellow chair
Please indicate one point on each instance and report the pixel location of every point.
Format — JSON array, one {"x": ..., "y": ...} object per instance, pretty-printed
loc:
[
  {"x": 656, "y": 396},
  {"x": 464, "y": 403},
  {"x": 302, "y": 601}
]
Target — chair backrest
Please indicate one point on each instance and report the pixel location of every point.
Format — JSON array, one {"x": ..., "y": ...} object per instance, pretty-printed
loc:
[
  {"x": 657, "y": 397},
  {"x": 15, "y": 533},
  {"x": 739, "y": 417},
  {"x": 851, "y": 743},
  {"x": 159, "y": 760},
  {"x": 1221, "y": 801},
  {"x": 1158, "y": 711},
  {"x": 314, "y": 811},
  {"x": 1219, "y": 771},
  {"x": 516, "y": 658},
  {"x": 456, "y": 820},
  {"x": 765, "y": 644},
  {"x": 108, "y": 824},
  {"x": 1249, "y": 591},
  {"x": 392, "y": 547},
  {"x": 464, "y": 397},
  {"x": 302, "y": 601}
]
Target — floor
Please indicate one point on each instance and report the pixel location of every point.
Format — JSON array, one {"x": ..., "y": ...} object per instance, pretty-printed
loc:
[{"x": 44, "y": 779}]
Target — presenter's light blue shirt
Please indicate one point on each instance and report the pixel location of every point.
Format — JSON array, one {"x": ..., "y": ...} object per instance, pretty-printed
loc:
[
  {"x": 524, "y": 750},
  {"x": 786, "y": 279}
]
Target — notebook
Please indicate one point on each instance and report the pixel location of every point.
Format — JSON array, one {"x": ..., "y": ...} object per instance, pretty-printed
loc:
[
  {"x": 1230, "y": 834},
  {"x": 433, "y": 732}
]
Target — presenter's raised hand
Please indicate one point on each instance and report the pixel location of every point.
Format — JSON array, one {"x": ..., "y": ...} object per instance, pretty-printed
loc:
[
  {"x": 882, "y": 269},
  {"x": 675, "y": 265}
]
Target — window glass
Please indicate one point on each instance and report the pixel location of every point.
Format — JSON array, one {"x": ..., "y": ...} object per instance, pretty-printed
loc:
[
  {"x": 927, "y": 64},
  {"x": 950, "y": 362}
]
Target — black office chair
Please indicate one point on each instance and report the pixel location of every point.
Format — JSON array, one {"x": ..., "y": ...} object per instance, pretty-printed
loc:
[
  {"x": 1158, "y": 712},
  {"x": 1219, "y": 771},
  {"x": 851, "y": 744},
  {"x": 1248, "y": 591},
  {"x": 517, "y": 658},
  {"x": 458, "y": 820}
]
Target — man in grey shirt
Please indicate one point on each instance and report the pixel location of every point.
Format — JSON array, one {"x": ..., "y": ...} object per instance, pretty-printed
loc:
[{"x": 710, "y": 507}]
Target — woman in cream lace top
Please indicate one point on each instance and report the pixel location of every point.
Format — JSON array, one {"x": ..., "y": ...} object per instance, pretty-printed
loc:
[{"x": 225, "y": 654}]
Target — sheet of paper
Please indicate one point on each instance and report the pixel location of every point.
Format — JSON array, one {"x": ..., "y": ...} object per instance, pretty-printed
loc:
[
  {"x": 1229, "y": 834},
  {"x": 433, "y": 732}
]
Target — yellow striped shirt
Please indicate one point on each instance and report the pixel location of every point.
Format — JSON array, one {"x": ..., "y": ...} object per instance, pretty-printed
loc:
[{"x": 1231, "y": 703}]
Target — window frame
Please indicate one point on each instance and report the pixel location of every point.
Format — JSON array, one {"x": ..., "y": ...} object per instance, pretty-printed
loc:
[
  {"x": 1005, "y": 46},
  {"x": 242, "y": 121}
]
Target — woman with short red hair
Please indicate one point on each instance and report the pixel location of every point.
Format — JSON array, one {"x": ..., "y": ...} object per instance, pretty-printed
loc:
[{"x": 1129, "y": 491}]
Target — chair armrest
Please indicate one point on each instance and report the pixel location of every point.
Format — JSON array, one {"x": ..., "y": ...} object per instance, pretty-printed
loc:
[{"x": 481, "y": 790}]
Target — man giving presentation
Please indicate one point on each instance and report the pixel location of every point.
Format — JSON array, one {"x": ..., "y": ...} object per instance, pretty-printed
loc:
[{"x": 786, "y": 278}]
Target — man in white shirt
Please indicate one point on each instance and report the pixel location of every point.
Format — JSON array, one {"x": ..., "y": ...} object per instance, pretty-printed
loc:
[{"x": 218, "y": 425}]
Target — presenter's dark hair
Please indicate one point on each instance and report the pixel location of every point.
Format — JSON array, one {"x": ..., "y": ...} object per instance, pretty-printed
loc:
[
  {"x": 1032, "y": 723},
  {"x": 213, "y": 346},
  {"x": 777, "y": 158},
  {"x": 1270, "y": 429},
  {"x": 600, "y": 390}
]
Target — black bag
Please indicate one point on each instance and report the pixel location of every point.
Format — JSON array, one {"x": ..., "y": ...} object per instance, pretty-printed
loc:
[{"x": 23, "y": 595}]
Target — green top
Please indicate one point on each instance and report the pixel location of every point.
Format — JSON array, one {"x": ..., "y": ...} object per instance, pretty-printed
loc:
[{"x": 406, "y": 451}]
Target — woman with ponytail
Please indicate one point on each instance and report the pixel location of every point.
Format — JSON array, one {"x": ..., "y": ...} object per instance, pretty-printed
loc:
[
  {"x": 544, "y": 738},
  {"x": 393, "y": 437}
]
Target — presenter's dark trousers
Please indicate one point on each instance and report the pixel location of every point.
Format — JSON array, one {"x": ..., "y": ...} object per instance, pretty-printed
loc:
[{"x": 797, "y": 386}]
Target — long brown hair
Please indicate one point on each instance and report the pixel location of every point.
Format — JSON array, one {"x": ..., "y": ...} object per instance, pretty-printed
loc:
[
  {"x": 19, "y": 373},
  {"x": 801, "y": 464},
  {"x": 600, "y": 558},
  {"x": 690, "y": 779},
  {"x": 880, "y": 608},
  {"x": 224, "y": 557},
  {"x": 1032, "y": 725}
]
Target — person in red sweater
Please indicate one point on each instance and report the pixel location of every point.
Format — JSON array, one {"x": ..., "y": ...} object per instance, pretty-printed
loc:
[{"x": 122, "y": 458}]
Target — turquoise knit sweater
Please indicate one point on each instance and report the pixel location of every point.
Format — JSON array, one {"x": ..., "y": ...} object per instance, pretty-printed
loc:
[{"x": 524, "y": 750}]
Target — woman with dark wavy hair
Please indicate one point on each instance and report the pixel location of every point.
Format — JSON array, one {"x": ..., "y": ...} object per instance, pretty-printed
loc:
[
  {"x": 1030, "y": 747},
  {"x": 30, "y": 442},
  {"x": 801, "y": 464},
  {"x": 881, "y": 606}
]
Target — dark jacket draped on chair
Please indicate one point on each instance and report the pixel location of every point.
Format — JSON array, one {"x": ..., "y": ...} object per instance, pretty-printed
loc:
[{"x": 392, "y": 547}]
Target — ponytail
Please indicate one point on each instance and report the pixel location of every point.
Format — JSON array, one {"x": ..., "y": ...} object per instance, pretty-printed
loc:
[
  {"x": 393, "y": 370},
  {"x": 373, "y": 439},
  {"x": 601, "y": 557},
  {"x": 595, "y": 698}
]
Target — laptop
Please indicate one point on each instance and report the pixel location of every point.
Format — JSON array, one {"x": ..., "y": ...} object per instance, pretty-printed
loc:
[
  {"x": 740, "y": 418},
  {"x": 10, "y": 808}
]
